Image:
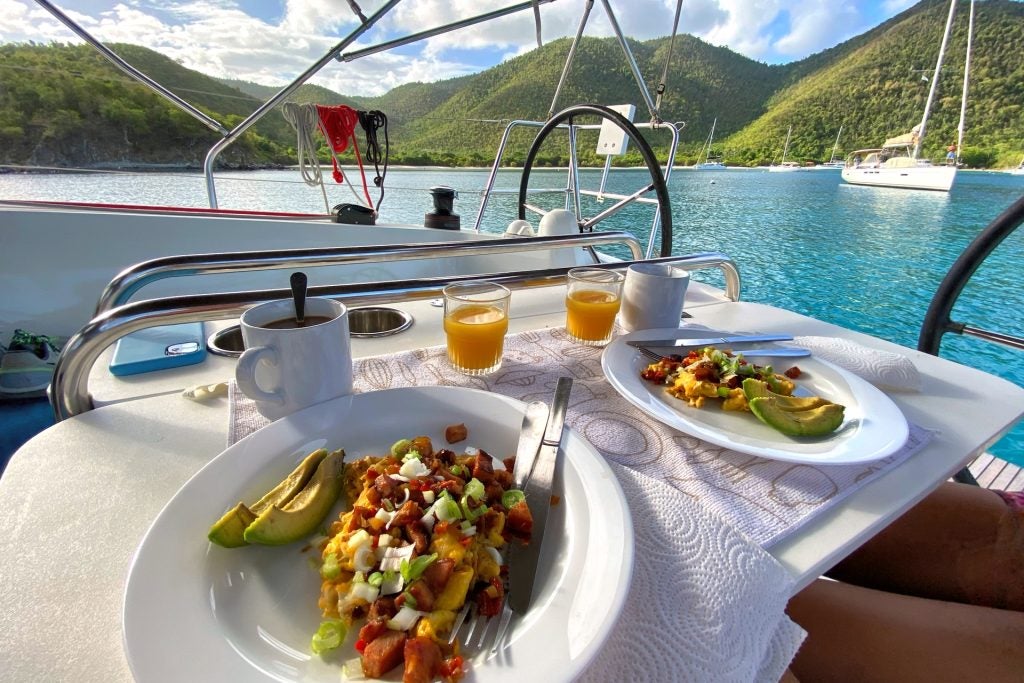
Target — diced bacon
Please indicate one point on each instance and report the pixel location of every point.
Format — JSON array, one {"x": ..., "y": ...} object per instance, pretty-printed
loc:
[
  {"x": 520, "y": 520},
  {"x": 422, "y": 594},
  {"x": 409, "y": 511},
  {"x": 383, "y": 654},
  {"x": 422, "y": 660},
  {"x": 437, "y": 573},
  {"x": 383, "y": 608},
  {"x": 455, "y": 433},
  {"x": 483, "y": 467},
  {"x": 372, "y": 630},
  {"x": 418, "y": 536},
  {"x": 385, "y": 486}
]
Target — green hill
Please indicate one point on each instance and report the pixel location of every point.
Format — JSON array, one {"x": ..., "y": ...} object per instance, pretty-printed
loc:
[
  {"x": 877, "y": 90},
  {"x": 67, "y": 106}
]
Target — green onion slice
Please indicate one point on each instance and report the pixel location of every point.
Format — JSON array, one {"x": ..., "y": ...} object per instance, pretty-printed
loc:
[
  {"x": 511, "y": 497},
  {"x": 330, "y": 635}
]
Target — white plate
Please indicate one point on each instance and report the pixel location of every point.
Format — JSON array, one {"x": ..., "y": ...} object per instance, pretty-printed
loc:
[
  {"x": 873, "y": 426},
  {"x": 197, "y": 612}
]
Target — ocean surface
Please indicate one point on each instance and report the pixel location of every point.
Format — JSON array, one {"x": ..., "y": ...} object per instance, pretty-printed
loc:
[{"x": 866, "y": 258}]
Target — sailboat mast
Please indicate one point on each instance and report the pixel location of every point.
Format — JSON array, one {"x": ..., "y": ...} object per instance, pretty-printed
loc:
[
  {"x": 785, "y": 147},
  {"x": 834, "y": 146},
  {"x": 935, "y": 80},
  {"x": 963, "y": 97},
  {"x": 711, "y": 137}
]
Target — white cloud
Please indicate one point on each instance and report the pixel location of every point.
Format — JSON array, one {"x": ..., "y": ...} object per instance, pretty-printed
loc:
[{"x": 218, "y": 38}]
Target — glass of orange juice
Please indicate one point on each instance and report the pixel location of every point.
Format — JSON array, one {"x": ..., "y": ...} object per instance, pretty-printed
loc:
[
  {"x": 475, "y": 322},
  {"x": 591, "y": 302}
]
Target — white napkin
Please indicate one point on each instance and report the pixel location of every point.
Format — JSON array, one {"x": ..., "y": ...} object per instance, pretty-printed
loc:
[
  {"x": 705, "y": 603},
  {"x": 883, "y": 369}
]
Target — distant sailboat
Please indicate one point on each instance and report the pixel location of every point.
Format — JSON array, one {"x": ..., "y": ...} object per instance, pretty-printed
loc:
[
  {"x": 898, "y": 162},
  {"x": 785, "y": 166},
  {"x": 832, "y": 163},
  {"x": 708, "y": 162}
]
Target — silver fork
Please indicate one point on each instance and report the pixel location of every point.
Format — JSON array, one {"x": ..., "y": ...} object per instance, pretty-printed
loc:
[
  {"x": 650, "y": 354},
  {"x": 478, "y": 636}
]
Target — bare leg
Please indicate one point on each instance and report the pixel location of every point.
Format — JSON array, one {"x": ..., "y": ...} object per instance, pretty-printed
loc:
[
  {"x": 961, "y": 543},
  {"x": 862, "y": 635}
]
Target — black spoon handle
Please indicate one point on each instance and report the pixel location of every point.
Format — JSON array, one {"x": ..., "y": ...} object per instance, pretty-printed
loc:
[{"x": 298, "y": 282}]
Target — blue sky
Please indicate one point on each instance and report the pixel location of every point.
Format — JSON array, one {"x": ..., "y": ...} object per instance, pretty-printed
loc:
[{"x": 273, "y": 41}]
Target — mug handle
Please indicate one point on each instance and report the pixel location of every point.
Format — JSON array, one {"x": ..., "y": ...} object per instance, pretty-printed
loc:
[{"x": 245, "y": 375}]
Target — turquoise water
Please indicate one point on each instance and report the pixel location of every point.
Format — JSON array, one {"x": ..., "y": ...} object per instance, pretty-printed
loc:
[{"x": 865, "y": 258}]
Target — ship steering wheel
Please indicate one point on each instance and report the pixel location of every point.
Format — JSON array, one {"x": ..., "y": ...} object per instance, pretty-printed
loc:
[{"x": 657, "y": 184}]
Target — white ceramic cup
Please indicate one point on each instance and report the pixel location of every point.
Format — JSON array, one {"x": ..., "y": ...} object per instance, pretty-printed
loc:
[
  {"x": 285, "y": 370},
  {"x": 653, "y": 295}
]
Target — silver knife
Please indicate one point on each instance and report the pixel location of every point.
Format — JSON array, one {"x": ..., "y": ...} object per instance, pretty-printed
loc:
[
  {"x": 769, "y": 352},
  {"x": 522, "y": 571},
  {"x": 705, "y": 341},
  {"x": 534, "y": 421}
]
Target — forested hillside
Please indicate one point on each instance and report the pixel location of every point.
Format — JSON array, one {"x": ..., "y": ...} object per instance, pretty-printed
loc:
[
  {"x": 879, "y": 90},
  {"x": 66, "y": 105}
]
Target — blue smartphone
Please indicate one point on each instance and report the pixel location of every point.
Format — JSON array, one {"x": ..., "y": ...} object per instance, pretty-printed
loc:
[{"x": 159, "y": 348}]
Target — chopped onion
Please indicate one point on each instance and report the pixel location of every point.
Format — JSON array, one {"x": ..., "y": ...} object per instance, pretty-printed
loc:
[
  {"x": 405, "y": 497},
  {"x": 361, "y": 537},
  {"x": 414, "y": 468},
  {"x": 472, "y": 450},
  {"x": 405, "y": 619},
  {"x": 364, "y": 591},
  {"x": 393, "y": 557},
  {"x": 428, "y": 496},
  {"x": 399, "y": 477},
  {"x": 383, "y": 515},
  {"x": 428, "y": 520},
  {"x": 495, "y": 555},
  {"x": 384, "y": 540},
  {"x": 392, "y": 583},
  {"x": 364, "y": 559},
  {"x": 353, "y": 669}
]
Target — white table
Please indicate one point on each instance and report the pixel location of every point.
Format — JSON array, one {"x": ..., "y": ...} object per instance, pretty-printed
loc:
[{"x": 77, "y": 499}]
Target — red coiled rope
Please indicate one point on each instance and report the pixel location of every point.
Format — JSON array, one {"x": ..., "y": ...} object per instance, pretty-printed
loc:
[{"x": 338, "y": 125}]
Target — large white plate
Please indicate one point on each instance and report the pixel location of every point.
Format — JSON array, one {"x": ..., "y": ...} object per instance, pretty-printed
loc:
[
  {"x": 197, "y": 612},
  {"x": 873, "y": 426}
]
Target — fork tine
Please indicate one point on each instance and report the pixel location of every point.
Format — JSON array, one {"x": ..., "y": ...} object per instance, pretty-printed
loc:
[
  {"x": 457, "y": 624},
  {"x": 499, "y": 635},
  {"x": 650, "y": 354}
]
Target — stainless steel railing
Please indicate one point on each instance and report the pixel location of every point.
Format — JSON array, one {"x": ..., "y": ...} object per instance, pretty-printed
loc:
[
  {"x": 69, "y": 391},
  {"x": 131, "y": 280}
]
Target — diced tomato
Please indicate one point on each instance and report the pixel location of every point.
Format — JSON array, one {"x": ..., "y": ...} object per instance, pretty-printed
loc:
[
  {"x": 466, "y": 541},
  {"x": 451, "y": 668},
  {"x": 360, "y": 645}
]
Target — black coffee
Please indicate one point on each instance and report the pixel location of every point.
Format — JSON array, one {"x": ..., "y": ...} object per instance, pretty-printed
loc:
[{"x": 291, "y": 323}]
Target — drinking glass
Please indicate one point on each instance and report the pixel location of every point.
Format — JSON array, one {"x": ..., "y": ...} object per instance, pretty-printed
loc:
[
  {"x": 591, "y": 302},
  {"x": 475, "y": 323}
]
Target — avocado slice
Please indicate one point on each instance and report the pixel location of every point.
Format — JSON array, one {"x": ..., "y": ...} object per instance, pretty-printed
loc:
[
  {"x": 228, "y": 531},
  {"x": 281, "y": 524},
  {"x": 755, "y": 388},
  {"x": 818, "y": 421}
]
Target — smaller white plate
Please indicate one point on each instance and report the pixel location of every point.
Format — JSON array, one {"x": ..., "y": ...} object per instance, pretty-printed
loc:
[{"x": 873, "y": 426}]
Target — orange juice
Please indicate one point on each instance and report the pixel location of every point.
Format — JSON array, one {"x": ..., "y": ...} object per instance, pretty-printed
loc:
[
  {"x": 476, "y": 335},
  {"x": 590, "y": 314}
]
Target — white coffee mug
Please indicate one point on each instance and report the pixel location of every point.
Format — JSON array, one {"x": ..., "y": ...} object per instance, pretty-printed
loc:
[
  {"x": 652, "y": 297},
  {"x": 286, "y": 368}
]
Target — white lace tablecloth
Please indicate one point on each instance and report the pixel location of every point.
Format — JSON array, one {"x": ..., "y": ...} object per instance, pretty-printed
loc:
[{"x": 707, "y": 601}]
